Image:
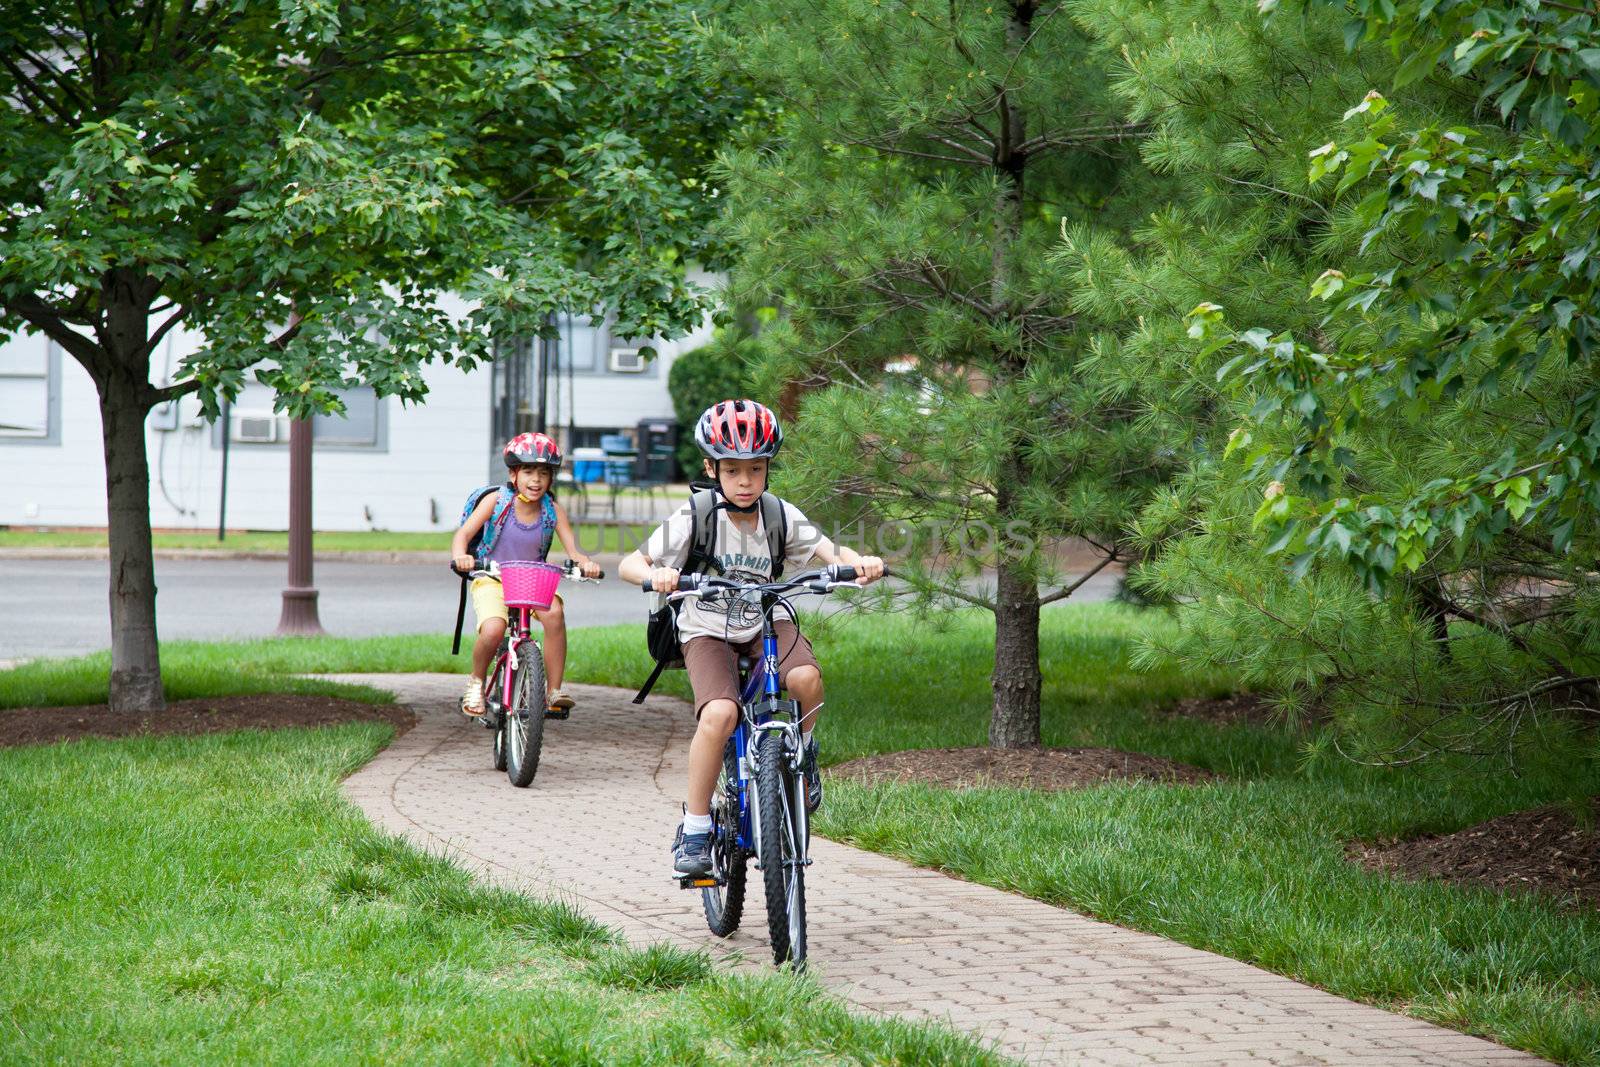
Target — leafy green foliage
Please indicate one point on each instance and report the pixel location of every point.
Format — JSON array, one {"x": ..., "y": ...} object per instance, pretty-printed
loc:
[
  {"x": 300, "y": 182},
  {"x": 1528, "y": 336},
  {"x": 303, "y": 184},
  {"x": 1387, "y": 460}
]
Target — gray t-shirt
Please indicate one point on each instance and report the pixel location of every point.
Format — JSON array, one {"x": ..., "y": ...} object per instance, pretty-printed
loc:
[{"x": 745, "y": 557}]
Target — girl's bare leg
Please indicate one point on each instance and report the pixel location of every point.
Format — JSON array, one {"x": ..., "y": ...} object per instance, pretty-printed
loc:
[{"x": 554, "y": 620}]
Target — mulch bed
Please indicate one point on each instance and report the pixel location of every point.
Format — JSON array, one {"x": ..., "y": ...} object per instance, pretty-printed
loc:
[
  {"x": 1543, "y": 850},
  {"x": 1246, "y": 709},
  {"x": 1230, "y": 710},
  {"x": 265, "y": 711},
  {"x": 1047, "y": 769}
]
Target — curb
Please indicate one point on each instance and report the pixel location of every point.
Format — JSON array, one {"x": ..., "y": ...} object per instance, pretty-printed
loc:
[
  {"x": 43, "y": 552},
  {"x": 605, "y": 559}
]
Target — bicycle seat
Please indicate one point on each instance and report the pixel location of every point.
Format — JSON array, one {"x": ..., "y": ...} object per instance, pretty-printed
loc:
[{"x": 745, "y": 663}]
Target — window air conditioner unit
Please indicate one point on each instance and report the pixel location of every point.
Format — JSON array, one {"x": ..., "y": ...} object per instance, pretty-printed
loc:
[
  {"x": 627, "y": 361},
  {"x": 255, "y": 429}
]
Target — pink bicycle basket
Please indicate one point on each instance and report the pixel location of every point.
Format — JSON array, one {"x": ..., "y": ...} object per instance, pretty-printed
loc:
[{"x": 529, "y": 584}]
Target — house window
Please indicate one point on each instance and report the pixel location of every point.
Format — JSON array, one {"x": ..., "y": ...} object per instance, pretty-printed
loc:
[
  {"x": 30, "y": 400},
  {"x": 362, "y": 427},
  {"x": 581, "y": 340}
]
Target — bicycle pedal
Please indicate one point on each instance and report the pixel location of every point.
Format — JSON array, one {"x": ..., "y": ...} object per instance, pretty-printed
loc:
[
  {"x": 698, "y": 883},
  {"x": 558, "y": 713}
]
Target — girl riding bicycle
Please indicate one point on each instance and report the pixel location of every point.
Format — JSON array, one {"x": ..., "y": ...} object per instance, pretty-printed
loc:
[
  {"x": 738, "y": 438},
  {"x": 528, "y": 521}
]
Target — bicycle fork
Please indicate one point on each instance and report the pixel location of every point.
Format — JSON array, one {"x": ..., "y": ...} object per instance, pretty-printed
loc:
[
  {"x": 794, "y": 807},
  {"x": 513, "y": 661}
]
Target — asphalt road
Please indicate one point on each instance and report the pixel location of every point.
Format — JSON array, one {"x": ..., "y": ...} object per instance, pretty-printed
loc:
[{"x": 57, "y": 607}]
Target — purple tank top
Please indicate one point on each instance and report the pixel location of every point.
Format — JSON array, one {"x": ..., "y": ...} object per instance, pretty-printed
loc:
[{"x": 519, "y": 542}]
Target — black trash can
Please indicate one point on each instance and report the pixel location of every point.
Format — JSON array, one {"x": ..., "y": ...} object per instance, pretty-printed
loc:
[{"x": 657, "y": 442}]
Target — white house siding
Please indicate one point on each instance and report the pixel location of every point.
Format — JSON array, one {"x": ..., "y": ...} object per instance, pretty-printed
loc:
[{"x": 427, "y": 457}]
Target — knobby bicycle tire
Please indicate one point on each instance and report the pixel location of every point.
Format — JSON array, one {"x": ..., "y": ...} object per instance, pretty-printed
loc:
[
  {"x": 524, "y": 720},
  {"x": 724, "y": 904},
  {"x": 783, "y": 881}
]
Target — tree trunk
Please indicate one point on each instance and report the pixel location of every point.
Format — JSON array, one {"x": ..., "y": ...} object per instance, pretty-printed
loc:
[
  {"x": 125, "y": 399},
  {"x": 135, "y": 656},
  {"x": 1014, "y": 722}
]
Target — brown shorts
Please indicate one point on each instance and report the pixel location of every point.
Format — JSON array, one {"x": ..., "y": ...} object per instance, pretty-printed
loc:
[{"x": 713, "y": 664}]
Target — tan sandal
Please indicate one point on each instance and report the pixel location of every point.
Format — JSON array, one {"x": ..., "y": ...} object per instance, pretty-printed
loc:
[
  {"x": 559, "y": 706},
  {"x": 472, "y": 700}
]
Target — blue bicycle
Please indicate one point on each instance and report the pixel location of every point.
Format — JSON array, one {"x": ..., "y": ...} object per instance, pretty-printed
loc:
[{"x": 759, "y": 805}]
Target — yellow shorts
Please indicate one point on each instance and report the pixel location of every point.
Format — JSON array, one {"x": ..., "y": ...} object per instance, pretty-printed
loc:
[{"x": 489, "y": 601}]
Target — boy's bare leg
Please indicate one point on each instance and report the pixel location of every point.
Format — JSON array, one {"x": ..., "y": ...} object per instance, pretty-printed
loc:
[
  {"x": 717, "y": 720},
  {"x": 805, "y": 683},
  {"x": 554, "y": 621}
]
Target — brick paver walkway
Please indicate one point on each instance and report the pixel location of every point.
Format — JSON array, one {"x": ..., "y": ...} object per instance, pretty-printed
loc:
[{"x": 1047, "y": 985}]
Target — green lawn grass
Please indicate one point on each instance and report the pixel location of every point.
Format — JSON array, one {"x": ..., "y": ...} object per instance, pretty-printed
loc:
[
  {"x": 215, "y": 900},
  {"x": 1251, "y": 866},
  {"x": 593, "y": 538}
]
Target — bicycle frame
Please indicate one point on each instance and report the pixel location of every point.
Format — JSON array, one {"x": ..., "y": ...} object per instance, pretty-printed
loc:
[
  {"x": 518, "y": 632},
  {"x": 759, "y": 699}
]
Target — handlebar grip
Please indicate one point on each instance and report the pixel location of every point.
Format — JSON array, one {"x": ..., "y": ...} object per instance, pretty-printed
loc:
[
  {"x": 843, "y": 572},
  {"x": 687, "y": 583}
]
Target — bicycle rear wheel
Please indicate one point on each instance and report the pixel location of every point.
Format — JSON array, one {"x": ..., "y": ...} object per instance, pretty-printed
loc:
[
  {"x": 724, "y": 904},
  {"x": 782, "y": 874},
  {"x": 492, "y": 708},
  {"x": 524, "y": 720}
]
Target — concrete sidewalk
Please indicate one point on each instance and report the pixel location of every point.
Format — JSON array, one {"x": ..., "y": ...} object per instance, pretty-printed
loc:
[{"x": 1045, "y": 984}]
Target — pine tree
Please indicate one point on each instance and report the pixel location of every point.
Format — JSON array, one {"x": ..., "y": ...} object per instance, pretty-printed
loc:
[
  {"x": 1364, "y": 380},
  {"x": 902, "y": 207}
]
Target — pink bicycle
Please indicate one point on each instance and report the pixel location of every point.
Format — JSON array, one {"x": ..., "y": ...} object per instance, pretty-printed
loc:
[{"x": 514, "y": 697}]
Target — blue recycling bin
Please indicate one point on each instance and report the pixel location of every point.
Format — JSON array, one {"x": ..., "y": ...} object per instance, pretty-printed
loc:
[{"x": 588, "y": 465}]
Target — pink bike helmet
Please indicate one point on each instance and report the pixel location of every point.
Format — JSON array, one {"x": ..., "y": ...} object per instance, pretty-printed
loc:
[{"x": 528, "y": 448}]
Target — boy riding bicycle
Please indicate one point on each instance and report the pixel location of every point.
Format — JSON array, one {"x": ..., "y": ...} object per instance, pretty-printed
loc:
[
  {"x": 528, "y": 517},
  {"x": 738, "y": 438}
]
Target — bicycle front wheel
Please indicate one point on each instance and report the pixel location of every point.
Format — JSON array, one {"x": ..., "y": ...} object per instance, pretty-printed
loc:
[
  {"x": 782, "y": 873},
  {"x": 524, "y": 720}
]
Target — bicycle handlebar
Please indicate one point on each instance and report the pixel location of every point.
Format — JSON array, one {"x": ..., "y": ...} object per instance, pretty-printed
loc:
[
  {"x": 483, "y": 568},
  {"x": 830, "y": 577}
]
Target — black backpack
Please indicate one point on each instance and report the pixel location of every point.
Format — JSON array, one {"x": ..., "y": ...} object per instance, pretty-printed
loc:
[{"x": 661, "y": 631}]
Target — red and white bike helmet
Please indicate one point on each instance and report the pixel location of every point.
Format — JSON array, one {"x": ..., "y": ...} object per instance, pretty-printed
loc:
[
  {"x": 738, "y": 429},
  {"x": 528, "y": 448}
]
